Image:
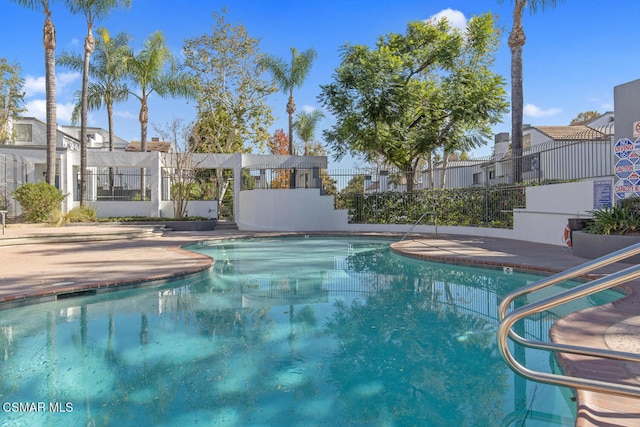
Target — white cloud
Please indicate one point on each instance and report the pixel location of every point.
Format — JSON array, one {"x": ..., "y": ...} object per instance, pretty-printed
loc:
[
  {"x": 124, "y": 114},
  {"x": 455, "y": 18},
  {"x": 308, "y": 108},
  {"x": 65, "y": 79},
  {"x": 535, "y": 111},
  {"x": 604, "y": 101},
  {"x": 38, "y": 108},
  {"x": 64, "y": 111},
  {"x": 34, "y": 85},
  {"x": 607, "y": 106}
]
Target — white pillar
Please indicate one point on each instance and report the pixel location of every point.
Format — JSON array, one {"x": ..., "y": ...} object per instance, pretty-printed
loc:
[
  {"x": 384, "y": 181},
  {"x": 154, "y": 180},
  {"x": 237, "y": 186}
]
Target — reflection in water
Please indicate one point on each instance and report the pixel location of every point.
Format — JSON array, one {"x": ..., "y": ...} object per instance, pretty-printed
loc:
[{"x": 279, "y": 332}]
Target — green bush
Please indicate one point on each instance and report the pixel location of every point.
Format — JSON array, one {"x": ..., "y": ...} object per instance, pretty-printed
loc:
[
  {"x": 622, "y": 218},
  {"x": 456, "y": 207},
  {"x": 40, "y": 202},
  {"x": 79, "y": 214}
]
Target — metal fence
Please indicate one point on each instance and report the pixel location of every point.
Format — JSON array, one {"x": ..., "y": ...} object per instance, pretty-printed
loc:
[
  {"x": 13, "y": 173},
  {"x": 115, "y": 184},
  {"x": 483, "y": 206},
  {"x": 467, "y": 192}
]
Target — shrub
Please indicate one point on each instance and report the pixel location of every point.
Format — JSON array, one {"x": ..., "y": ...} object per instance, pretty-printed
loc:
[
  {"x": 40, "y": 202},
  {"x": 79, "y": 214},
  {"x": 622, "y": 218}
]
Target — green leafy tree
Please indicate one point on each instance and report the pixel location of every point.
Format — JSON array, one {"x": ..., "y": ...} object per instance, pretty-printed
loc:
[
  {"x": 517, "y": 40},
  {"x": 584, "y": 117},
  {"x": 233, "y": 115},
  {"x": 289, "y": 76},
  {"x": 49, "y": 41},
  {"x": 305, "y": 127},
  {"x": 11, "y": 98},
  {"x": 414, "y": 93}
]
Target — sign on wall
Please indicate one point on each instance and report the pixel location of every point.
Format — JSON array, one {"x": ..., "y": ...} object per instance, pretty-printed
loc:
[
  {"x": 602, "y": 194},
  {"x": 627, "y": 167}
]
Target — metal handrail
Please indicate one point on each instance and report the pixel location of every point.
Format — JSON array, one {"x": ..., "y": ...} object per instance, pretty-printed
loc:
[
  {"x": 416, "y": 223},
  {"x": 507, "y": 321}
]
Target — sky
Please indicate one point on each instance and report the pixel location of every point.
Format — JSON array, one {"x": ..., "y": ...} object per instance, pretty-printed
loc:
[{"x": 574, "y": 56}]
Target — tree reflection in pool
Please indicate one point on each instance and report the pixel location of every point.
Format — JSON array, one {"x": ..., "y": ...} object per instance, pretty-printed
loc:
[{"x": 282, "y": 331}]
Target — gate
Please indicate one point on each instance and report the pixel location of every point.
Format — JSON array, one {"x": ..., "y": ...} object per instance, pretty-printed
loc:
[{"x": 13, "y": 173}]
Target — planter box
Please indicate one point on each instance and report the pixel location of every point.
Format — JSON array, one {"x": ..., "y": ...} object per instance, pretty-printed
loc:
[{"x": 592, "y": 246}]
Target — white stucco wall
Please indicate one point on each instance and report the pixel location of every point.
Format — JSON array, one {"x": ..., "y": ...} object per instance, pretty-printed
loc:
[
  {"x": 548, "y": 209},
  {"x": 289, "y": 210},
  {"x": 543, "y": 221}
]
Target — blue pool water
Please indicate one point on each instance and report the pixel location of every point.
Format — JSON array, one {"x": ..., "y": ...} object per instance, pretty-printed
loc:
[{"x": 282, "y": 331}]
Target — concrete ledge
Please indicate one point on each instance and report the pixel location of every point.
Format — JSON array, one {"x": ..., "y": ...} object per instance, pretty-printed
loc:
[
  {"x": 78, "y": 234},
  {"x": 200, "y": 225},
  {"x": 591, "y": 246}
]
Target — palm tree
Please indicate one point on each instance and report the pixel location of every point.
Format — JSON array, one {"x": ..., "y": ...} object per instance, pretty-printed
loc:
[
  {"x": 517, "y": 40},
  {"x": 92, "y": 10},
  {"x": 49, "y": 41},
  {"x": 289, "y": 76},
  {"x": 305, "y": 127},
  {"x": 107, "y": 73},
  {"x": 154, "y": 70}
]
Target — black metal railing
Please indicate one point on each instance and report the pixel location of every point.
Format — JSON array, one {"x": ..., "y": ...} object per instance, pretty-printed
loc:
[
  {"x": 467, "y": 192},
  {"x": 14, "y": 171},
  {"x": 117, "y": 184}
]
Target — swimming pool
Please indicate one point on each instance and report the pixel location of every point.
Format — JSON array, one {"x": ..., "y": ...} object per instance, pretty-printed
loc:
[{"x": 282, "y": 331}]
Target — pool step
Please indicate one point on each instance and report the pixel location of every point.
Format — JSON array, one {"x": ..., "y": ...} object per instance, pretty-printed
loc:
[
  {"x": 226, "y": 225},
  {"x": 14, "y": 236}
]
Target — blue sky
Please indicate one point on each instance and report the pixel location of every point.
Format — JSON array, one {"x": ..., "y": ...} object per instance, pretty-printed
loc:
[{"x": 574, "y": 56}]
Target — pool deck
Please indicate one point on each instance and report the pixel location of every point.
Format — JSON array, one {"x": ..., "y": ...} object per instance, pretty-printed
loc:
[{"x": 38, "y": 263}]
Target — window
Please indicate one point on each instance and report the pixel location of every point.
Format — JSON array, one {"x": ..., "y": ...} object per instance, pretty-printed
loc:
[
  {"x": 531, "y": 163},
  {"x": 23, "y": 132},
  {"x": 477, "y": 178}
]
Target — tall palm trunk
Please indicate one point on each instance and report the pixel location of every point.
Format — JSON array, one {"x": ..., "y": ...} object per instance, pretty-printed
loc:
[
  {"x": 111, "y": 145},
  {"x": 144, "y": 119},
  {"x": 291, "y": 108},
  {"x": 517, "y": 40},
  {"x": 49, "y": 40},
  {"x": 89, "y": 44}
]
